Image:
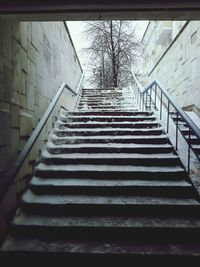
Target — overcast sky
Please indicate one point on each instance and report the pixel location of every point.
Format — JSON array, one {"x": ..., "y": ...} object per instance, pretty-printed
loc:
[{"x": 76, "y": 29}]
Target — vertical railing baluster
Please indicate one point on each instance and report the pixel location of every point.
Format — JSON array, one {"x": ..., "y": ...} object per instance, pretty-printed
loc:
[
  {"x": 146, "y": 100},
  {"x": 155, "y": 95},
  {"x": 177, "y": 130},
  {"x": 189, "y": 141},
  {"x": 150, "y": 97},
  {"x": 142, "y": 101},
  {"x": 168, "y": 117},
  {"x": 161, "y": 105}
]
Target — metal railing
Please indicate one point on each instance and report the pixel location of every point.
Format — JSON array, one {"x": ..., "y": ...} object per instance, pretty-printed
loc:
[
  {"x": 155, "y": 97},
  {"x": 8, "y": 177}
]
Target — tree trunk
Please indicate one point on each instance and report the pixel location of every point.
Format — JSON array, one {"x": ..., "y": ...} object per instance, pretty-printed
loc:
[{"x": 114, "y": 72}]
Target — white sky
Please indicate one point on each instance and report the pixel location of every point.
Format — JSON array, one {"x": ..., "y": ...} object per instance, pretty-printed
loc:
[{"x": 76, "y": 29}]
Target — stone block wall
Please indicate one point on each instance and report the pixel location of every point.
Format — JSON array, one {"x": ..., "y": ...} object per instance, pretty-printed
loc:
[
  {"x": 35, "y": 57},
  {"x": 178, "y": 67}
]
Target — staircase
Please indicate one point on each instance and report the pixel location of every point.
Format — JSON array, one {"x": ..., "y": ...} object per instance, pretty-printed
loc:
[{"x": 108, "y": 182}]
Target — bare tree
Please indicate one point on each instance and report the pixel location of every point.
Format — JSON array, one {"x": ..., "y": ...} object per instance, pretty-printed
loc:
[{"x": 112, "y": 51}]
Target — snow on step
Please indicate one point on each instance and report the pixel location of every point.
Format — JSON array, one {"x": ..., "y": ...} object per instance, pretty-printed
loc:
[
  {"x": 107, "y": 168},
  {"x": 88, "y": 247},
  {"x": 108, "y": 221},
  {"x": 99, "y": 108},
  {"x": 155, "y": 156},
  {"x": 105, "y": 118},
  {"x": 105, "y": 187},
  {"x": 30, "y": 198},
  {"x": 38, "y": 181},
  {"x": 100, "y": 124},
  {"x": 107, "y": 113},
  {"x": 106, "y": 139},
  {"x": 104, "y": 131},
  {"x": 165, "y": 159},
  {"x": 108, "y": 145},
  {"x": 108, "y": 109}
]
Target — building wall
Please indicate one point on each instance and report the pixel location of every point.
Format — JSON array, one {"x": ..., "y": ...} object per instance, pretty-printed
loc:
[
  {"x": 177, "y": 66},
  {"x": 35, "y": 57}
]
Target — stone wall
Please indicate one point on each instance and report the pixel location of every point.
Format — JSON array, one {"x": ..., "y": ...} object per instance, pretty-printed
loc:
[
  {"x": 178, "y": 66},
  {"x": 35, "y": 57}
]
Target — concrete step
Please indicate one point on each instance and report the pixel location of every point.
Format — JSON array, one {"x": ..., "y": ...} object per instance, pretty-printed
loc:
[
  {"x": 87, "y": 205},
  {"x": 109, "y": 95},
  {"x": 89, "y": 98},
  {"x": 107, "y": 100},
  {"x": 111, "y": 148},
  {"x": 193, "y": 139},
  {"x": 45, "y": 186},
  {"x": 196, "y": 148},
  {"x": 158, "y": 139},
  {"x": 107, "y": 103},
  {"x": 99, "y": 228},
  {"x": 109, "y": 172},
  {"x": 102, "y": 118},
  {"x": 108, "y": 107},
  {"x": 93, "y": 251},
  {"x": 168, "y": 159},
  {"x": 121, "y": 125},
  {"x": 105, "y": 93},
  {"x": 107, "y": 131},
  {"x": 185, "y": 131},
  {"x": 108, "y": 113},
  {"x": 101, "y": 90}
]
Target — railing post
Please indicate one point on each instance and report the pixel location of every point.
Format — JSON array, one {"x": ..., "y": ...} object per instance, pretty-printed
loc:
[
  {"x": 142, "y": 95},
  {"x": 150, "y": 96},
  {"x": 161, "y": 105},
  {"x": 155, "y": 95},
  {"x": 146, "y": 101},
  {"x": 136, "y": 92},
  {"x": 176, "y": 130},
  {"x": 168, "y": 117},
  {"x": 189, "y": 141}
]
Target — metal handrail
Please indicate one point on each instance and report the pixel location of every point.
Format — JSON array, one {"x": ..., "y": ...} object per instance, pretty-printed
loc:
[
  {"x": 144, "y": 94},
  {"x": 184, "y": 116},
  {"x": 7, "y": 178}
]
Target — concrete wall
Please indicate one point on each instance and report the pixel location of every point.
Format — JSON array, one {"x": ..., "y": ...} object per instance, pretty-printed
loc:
[
  {"x": 102, "y": 9},
  {"x": 35, "y": 57},
  {"x": 177, "y": 68}
]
